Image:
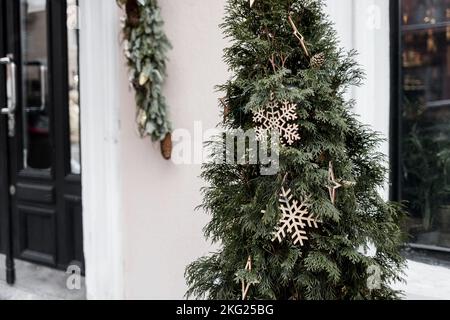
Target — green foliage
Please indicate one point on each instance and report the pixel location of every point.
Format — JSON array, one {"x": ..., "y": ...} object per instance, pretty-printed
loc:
[
  {"x": 146, "y": 50},
  {"x": 426, "y": 159},
  {"x": 330, "y": 265}
]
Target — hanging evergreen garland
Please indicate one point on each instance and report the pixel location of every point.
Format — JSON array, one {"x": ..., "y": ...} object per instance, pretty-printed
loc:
[{"x": 146, "y": 47}]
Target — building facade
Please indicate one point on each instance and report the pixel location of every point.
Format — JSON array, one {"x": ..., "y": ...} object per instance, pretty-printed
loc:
[{"x": 78, "y": 184}]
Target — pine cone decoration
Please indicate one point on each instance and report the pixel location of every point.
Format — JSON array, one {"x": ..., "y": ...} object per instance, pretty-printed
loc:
[
  {"x": 137, "y": 86},
  {"x": 133, "y": 13},
  {"x": 317, "y": 60},
  {"x": 166, "y": 147},
  {"x": 322, "y": 157}
]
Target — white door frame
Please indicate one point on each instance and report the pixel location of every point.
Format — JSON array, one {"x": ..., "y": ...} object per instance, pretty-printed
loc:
[{"x": 100, "y": 125}]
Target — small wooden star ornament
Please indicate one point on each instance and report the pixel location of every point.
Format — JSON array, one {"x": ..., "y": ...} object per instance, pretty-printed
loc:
[
  {"x": 246, "y": 287},
  {"x": 298, "y": 35},
  {"x": 348, "y": 184},
  {"x": 333, "y": 185},
  {"x": 226, "y": 108}
]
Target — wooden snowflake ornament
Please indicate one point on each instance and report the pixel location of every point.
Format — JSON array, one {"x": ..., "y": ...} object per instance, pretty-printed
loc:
[
  {"x": 333, "y": 185},
  {"x": 275, "y": 117},
  {"x": 296, "y": 218},
  {"x": 246, "y": 286}
]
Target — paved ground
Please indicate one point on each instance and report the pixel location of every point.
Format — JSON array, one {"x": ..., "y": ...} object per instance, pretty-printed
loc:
[
  {"x": 37, "y": 283},
  {"x": 424, "y": 282}
]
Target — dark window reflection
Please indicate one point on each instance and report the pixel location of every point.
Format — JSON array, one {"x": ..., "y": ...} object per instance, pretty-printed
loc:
[
  {"x": 36, "y": 135},
  {"x": 74, "y": 92},
  {"x": 426, "y": 119}
]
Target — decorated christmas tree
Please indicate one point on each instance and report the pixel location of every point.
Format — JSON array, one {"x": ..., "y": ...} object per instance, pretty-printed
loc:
[{"x": 302, "y": 233}]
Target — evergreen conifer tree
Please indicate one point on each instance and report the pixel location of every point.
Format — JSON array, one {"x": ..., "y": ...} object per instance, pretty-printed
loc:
[{"x": 307, "y": 68}]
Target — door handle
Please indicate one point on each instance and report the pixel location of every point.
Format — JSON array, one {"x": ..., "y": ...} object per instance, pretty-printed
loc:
[
  {"x": 43, "y": 83},
  {"x": 11, "y": 93},
  {"x": 43, "y": 73}
]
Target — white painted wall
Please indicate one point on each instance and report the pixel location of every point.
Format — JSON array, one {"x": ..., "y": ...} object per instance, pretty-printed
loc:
[
  {"x": 364, "y": 25},
  {"x": 159, "y": 232},
  {"x": 163, "y": 232}
]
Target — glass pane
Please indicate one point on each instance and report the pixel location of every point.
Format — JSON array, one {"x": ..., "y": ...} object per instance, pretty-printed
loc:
[
  {"x": 74, "y": 95},
  {"x": 426, "y": 119},
  {"x": 417, "y": 12},
  {"x": 36, "y": 133}
]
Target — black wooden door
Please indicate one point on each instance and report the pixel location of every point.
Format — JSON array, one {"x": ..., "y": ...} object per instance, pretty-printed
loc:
[{"x": 40, "y": 171}]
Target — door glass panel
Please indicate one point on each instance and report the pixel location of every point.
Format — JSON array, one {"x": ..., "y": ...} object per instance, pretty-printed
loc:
[
  {"x": 74, "y": 92},
  {"x": 425, "y": 151},
  {"x": 35, "y": 109}
]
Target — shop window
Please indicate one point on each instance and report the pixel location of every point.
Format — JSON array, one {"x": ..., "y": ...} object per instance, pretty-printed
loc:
[{"x": 423, "y": 119}]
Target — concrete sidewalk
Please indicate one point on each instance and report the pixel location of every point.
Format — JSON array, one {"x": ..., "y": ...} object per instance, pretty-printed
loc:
[
  {"x": 37, "y": 283},
  {"x": 424, "y": 282}
]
